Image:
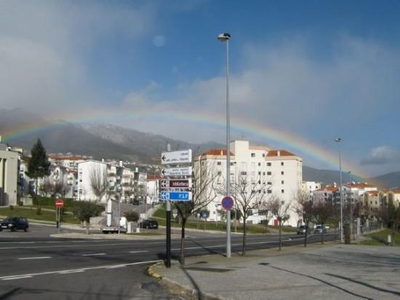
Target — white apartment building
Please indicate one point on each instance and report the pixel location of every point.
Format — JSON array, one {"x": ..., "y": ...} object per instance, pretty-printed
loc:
[
  {"x": 153, "y": 188},
  {"x": 8, "y": 176},
  {"x": 352, "y": 191},
  {"x": 309, "y": 187},
  {"x": 276, "y": 173},
  {"x": 87, "y": 171}
]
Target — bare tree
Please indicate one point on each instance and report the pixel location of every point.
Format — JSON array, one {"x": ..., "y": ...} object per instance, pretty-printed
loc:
[
  {"x": 99, "y": 182},
  {"x": 203, "y": 193},
  {"x": 303, "y": 208},
  {"x": 280, "y": 210},
  {"x": 322, "y": 211},
  {"x": 249, "y": 193},
  {"x": 46, "y": 186},
  {"x": 60, "y": 187}
]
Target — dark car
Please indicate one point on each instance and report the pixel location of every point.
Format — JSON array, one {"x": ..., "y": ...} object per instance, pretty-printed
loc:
[
  {"x": 302, "y": 229},
  {"x": 15, "y": 223},
  {"x": 149, "y": 224},
  {"x": 135, "y": 202}
]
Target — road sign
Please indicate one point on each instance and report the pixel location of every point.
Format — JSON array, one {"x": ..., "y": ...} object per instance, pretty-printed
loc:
[
  {"x": 186, "y": 171},
  {"x": 59, "y": 203},
  {"x": 176, "y": 184},
  {"x": 176, "y": 157},
  {"x": 175, "y": 196},
  {"x": 227, "y": 203},
  {"x": 205, "y": 214}
]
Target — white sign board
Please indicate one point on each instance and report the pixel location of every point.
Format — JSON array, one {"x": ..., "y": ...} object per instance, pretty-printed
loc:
[
  {"x": 176, "y": 157},
  {"x": 187, "y": 171}
]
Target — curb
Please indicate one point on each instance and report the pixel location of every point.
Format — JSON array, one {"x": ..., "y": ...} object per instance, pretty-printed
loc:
[
  {"x": 179, "y": 289},
  {"x": 153, "y": 273}
]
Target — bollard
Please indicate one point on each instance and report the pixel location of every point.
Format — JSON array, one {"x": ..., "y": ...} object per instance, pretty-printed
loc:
[{"x": 389, "y": 240}]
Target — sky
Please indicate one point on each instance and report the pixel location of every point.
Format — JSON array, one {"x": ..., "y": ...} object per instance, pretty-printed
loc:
[{"x": 314, "y": 70}]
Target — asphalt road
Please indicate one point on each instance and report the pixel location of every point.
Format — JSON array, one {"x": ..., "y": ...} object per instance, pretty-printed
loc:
[{"x": 34, "y": 266}]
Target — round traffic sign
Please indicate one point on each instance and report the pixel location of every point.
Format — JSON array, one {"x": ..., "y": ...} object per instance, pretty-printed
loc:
[
  {"x": 59, "y": 203},
  {"x": 227, "y": 203}
]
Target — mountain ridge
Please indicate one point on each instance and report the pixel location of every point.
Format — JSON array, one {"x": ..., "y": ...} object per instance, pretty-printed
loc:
[{"x": 114, "y": 142}]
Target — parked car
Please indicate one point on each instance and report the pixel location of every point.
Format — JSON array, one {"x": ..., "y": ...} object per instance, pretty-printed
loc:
[
  {"x": 302, "y": 229},
  {"x": 135, "y": 202},
  {"x": 14, "y": 223},
  {"x": 149, "y": 224},
  {"x": 320, "y": 228}
]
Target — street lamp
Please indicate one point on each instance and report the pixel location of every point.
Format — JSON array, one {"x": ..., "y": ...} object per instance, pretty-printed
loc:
[
  {"x": 225, "y": 37},
  {"x": 338, "y": 140}
]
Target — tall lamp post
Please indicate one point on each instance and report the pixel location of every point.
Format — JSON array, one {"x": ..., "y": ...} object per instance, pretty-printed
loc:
[
  {"x": 338, "y": 140},
  {"x": 225, "y": 37}
]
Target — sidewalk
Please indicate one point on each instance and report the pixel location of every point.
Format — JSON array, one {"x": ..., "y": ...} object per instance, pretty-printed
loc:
[{"x": 331, "y": 271}]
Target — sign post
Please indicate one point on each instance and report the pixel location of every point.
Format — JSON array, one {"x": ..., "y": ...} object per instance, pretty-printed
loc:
[
  {"x": 59, "y": 205},
  {"x": 174, "y": 189}
]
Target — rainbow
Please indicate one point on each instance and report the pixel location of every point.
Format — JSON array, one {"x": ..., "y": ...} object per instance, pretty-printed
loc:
[{"x": 284, "y": 139}]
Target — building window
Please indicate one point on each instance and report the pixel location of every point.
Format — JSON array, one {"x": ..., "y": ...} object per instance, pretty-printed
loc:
[
  {"x": 243, "y": 173},
  {"x": 263, "y": 155},
  {"x": 282, "y": 182},
  {"x": 269, "y": 173},
  {"x": 263, "y": 173},
  {"x": 218, "y": 163},
  {"x": 282, "y": 163},
  {"x": 282, "y": 173},
  {"x": 253, "y": 155},
  {"x": 219, "y": 173},
  {"x": 259, "y": 173},
  {"x": 269, "y": 183},
  {"x": 283, "y": 191},
  {"x": 269, "y": 192},
  {"x": 259, "y": 164},
  {"x": 268, "y": 164}
]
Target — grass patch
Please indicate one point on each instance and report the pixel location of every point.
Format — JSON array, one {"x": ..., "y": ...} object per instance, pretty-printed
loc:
[
  {"x": 380, "y": 238},
  {"x": 159, "y": 215},
  {"x": 31, "y": 214}
]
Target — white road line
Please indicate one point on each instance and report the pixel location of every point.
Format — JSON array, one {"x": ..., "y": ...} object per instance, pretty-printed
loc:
[
  {"x": 134, "y": 252},
  {"x": 17, "y": 277},
  {"x": 71, "y": 271},
  {"x": 22, "y": 276},
  {"x": 116, "y": 267},
  {"x": 94, "y": 254},
  {"x": 35, "y": 257}
]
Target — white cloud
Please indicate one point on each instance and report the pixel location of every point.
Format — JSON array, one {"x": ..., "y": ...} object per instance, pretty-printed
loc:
[
  {"x": 44, "y": 46},
  {"x": 382, "y": 155}
]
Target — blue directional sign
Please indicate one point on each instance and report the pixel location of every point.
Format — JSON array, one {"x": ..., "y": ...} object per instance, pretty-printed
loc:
[{"x": 175, "y": 196}]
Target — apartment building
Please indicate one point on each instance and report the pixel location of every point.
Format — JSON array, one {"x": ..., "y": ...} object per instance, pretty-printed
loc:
[
  {"x": 273, "y": 173},
  {"x": 89, "y": 173},
  {"x": 9, "y": 161},
  {"x": 309, "y": 187}
]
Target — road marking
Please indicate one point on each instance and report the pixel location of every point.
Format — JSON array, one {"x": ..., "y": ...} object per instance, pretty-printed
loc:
[
  {"x": 116, "y": 267},
  {"x": 143, "y": 251},
  {"x": 35, "y": 257},
  {"x": 71, "y": 271},
  {"x": 68, "y": 271},
  {"x": 17, "y": 277},
  {"x": 94, "y": 254}
]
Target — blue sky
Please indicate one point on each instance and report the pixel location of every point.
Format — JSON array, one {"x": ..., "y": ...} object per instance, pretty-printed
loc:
[{"x": 316, "y": 69}]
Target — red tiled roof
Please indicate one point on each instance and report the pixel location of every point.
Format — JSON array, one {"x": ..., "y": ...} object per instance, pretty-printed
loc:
[
  {"x": 280, "y": 152},
  {"x": 216, "y": 152},
  {"x": 153, "y": 177},
  {"x": 56, "y": 157},
  {"x": 396, "y": 191},
  {"x": 328, "y": 188},
  {"x": 359, "y": 185},
  {"x": 373, "y": 193}
]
